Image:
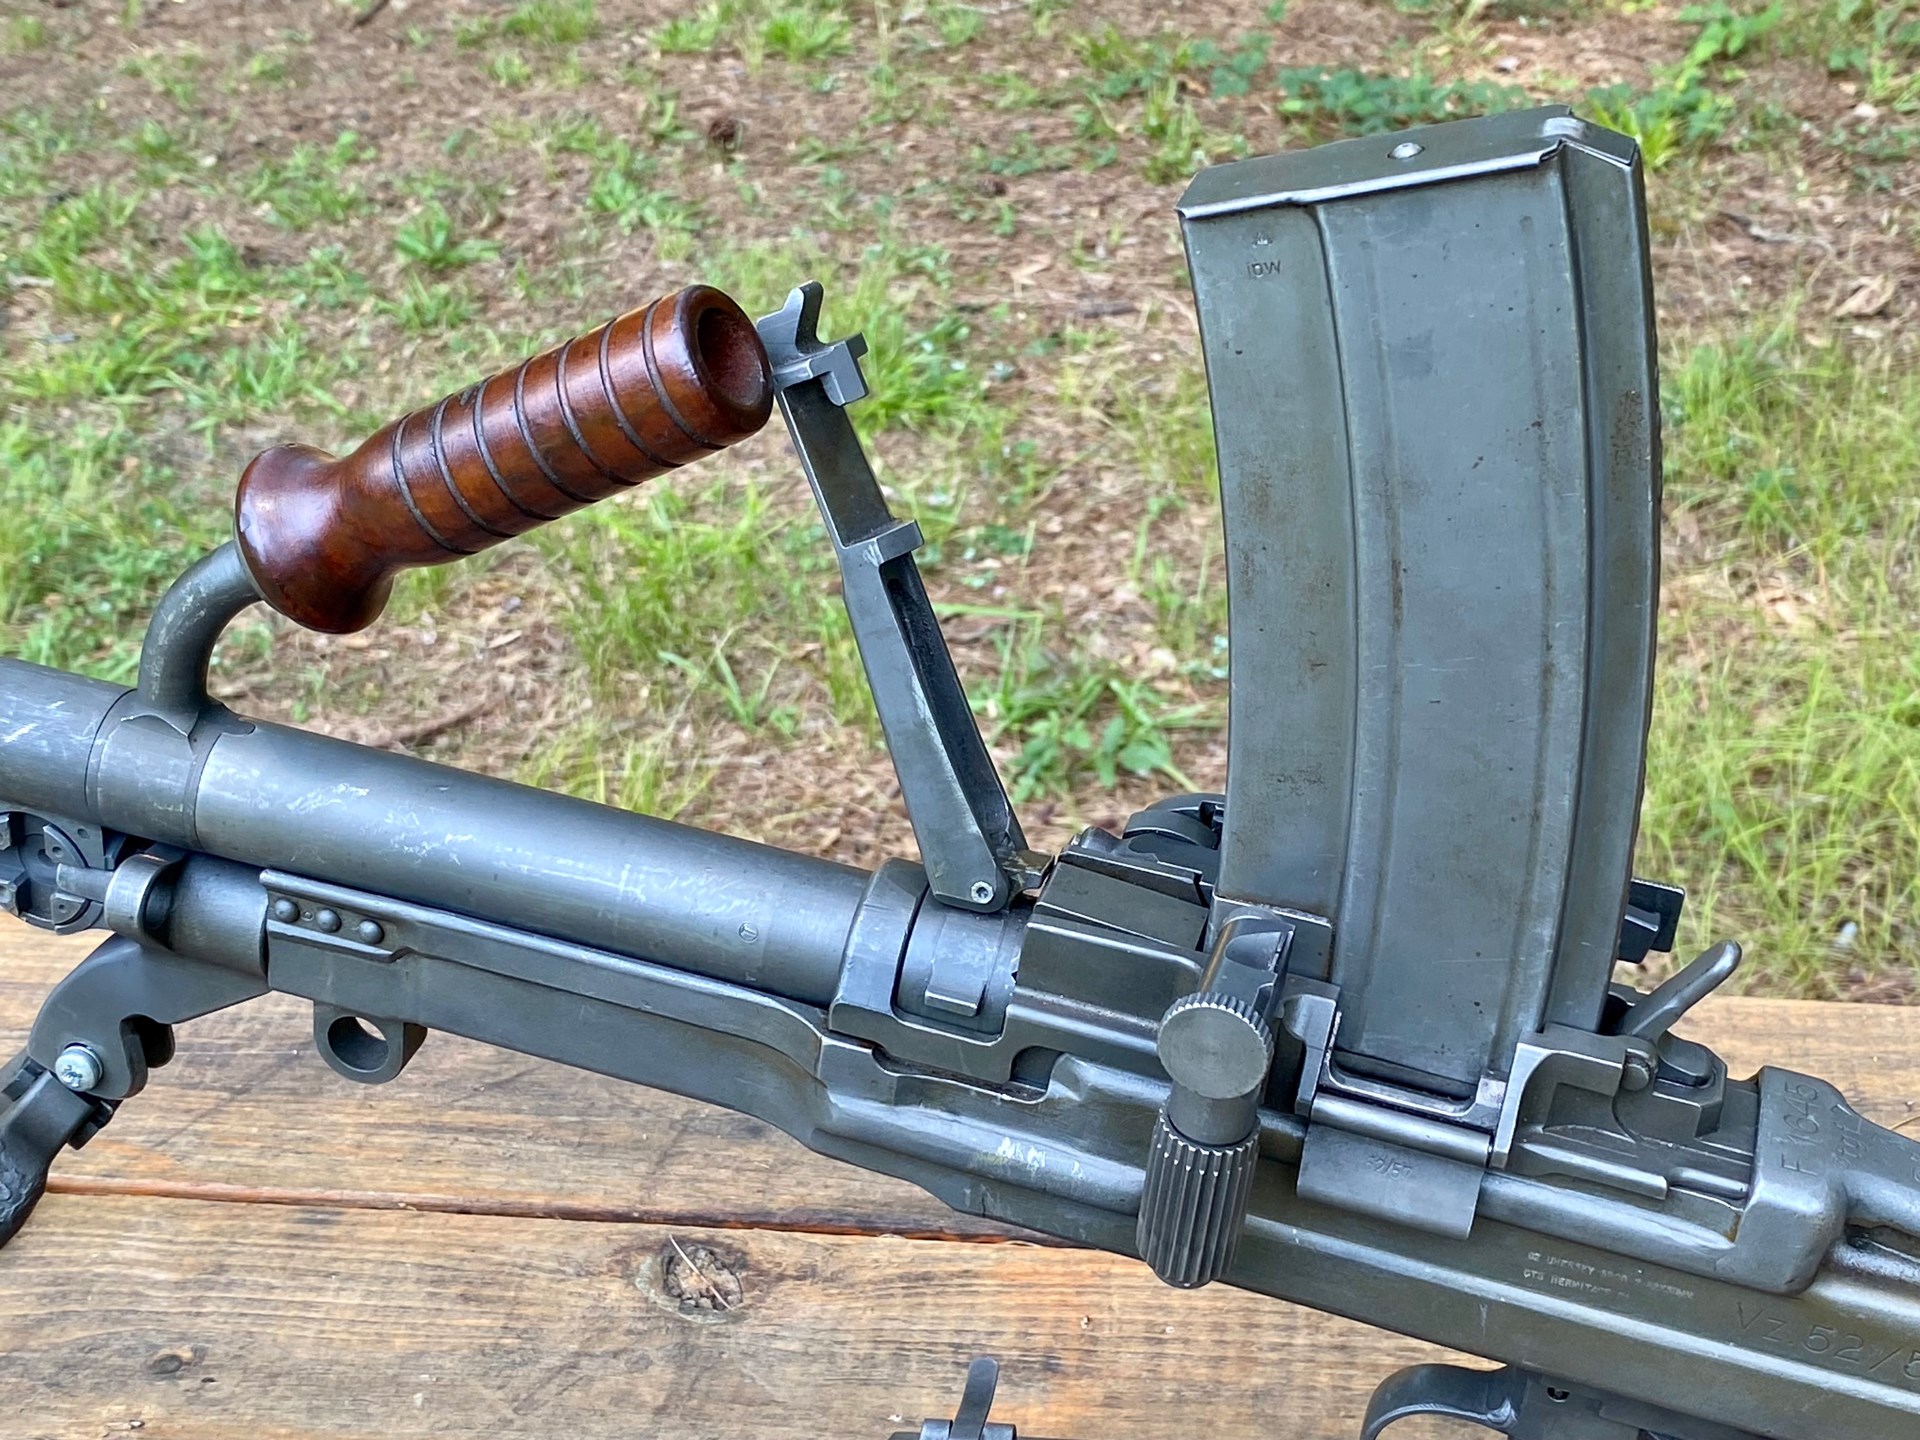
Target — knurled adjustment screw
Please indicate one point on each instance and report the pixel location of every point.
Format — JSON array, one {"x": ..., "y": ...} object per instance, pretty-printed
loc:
[
  {"x": 1194, "y": 1205},
  {"x": 1217, "y": 1050}
]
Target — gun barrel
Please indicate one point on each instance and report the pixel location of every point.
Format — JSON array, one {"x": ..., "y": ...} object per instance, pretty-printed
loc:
[{"x": 277, "y": 798}]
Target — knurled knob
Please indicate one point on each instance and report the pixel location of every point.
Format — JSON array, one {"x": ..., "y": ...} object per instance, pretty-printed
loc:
[
  {"x": 1194, "y": 1205},
  {"x": 1215, "y": 1045}
]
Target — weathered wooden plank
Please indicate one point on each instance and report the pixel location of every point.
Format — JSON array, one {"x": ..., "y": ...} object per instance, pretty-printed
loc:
[
  {"x": 212, "y": 1322},
  {"x": 247, "y": 1105}
]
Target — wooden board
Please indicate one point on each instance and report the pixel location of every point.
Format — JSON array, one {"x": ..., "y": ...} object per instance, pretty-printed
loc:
[
  {"x": 221, "y": 1322},
  {"x": 477, "y": 1249}
]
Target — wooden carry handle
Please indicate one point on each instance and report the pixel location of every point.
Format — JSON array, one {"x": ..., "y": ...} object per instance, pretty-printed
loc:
[{"x": 324, "y": 537}]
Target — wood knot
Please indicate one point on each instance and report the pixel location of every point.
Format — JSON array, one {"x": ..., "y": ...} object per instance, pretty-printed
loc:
[{"x": 696, "y": 1281}]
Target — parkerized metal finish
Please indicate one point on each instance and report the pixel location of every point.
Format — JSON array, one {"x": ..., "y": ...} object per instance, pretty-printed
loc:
[
  {"x": 1068, "y": 1160},
  {"x": 970, "y": 1421},
  {"x": 1521, "y": 1406},
  {"x": 271, "y": 796},
  {"x": 563, "y": 867},
  {"x": 48, "y": 723},
  {"x": 1376, "y": 1175},
  {"x": 39, "y": 1116},
  {"x": 184, "y": 629},
  {"x": 1439, "y": 481},
  {"x": 969, "y": 838}
]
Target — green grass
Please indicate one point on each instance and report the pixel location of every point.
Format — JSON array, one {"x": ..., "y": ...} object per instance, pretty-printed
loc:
[
  {"x": 553, "y": 22},
  {"x": 174, "y": 333},
  {"x": 1072, "y": 717},
  {"x": 314, "y": 185},
  {"x": 1356, "y": 102},
  {"x": 812, "y": 30},
  {"x": 24, "y": 34},
  {"x": 806, "y": 34},
  {"x": 1784, "y": 779},
  {"x": 432, "y": 240}
]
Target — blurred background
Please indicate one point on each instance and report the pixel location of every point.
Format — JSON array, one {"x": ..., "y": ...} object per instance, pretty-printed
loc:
[{"x": 226, "y": 224}]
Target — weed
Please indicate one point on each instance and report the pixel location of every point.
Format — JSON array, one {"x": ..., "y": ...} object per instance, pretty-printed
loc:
[
  {"x": 623, "y": 192},
  {"x": 174, "y": 74},
  {"x": 429, "y": 309},
  {"x": 804, "y": 33},
  {"x": 429, "y": 239},
  {"x": 1124, "y": 65},
  {"x": 657, "y": 587},
  {"x": 1877, "y": 150},
  {"x": 266, "y": 68},
  {"x": 1879, "y": 44},
  {"x": 1026, "y": 156},
  {"x": 25, "y": 34},
  {"x": 1178, "y": 143},
  {"x": 473, "y": 31},
  {"x": 1682, "y": 111},
  {"x": 957, "y": 24},
  {"x": 509, "y": 69},
  {"x": 1358, "y": 103},
  {"x": 309, "y": 187},
  {"x": 608, "y": 763},
  {"x": 1041, "y": 14},
  {"x": 153, "y": 323},
  {"x": 698, "y": 33},
  {"x": 552, "y": 22},
  {"x": 1153, "y": 71},
  {"x": 1235, "y": 71},
  {"x": 1076, "y": 716},
  {"x": 163, "y": 153}
]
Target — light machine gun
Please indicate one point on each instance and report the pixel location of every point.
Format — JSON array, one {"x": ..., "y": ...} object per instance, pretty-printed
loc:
[{"x": 1347, "y": 1034}]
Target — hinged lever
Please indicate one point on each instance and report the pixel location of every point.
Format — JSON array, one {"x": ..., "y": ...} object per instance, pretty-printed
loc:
[
  {"x": 1657, "y": 1012},
  {"x": 970, "y": 842}
]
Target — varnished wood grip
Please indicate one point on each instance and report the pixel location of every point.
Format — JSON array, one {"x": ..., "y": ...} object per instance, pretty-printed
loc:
[{"x": 324, "y": 537}]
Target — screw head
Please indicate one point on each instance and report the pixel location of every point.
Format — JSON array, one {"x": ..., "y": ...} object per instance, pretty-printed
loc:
[
  {"x": 982, "y": 893},
  {"x": 1406, "y": 150},
  {"x": 78, "y": 1068},
  {"x": 1639, "y": 1072}
]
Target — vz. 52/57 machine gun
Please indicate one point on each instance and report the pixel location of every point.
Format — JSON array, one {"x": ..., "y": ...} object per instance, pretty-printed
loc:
[{"x": 1348, "y": 1034}]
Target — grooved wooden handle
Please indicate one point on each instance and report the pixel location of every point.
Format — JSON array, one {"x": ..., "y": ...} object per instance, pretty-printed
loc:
[{"x": 324, "y": 537}]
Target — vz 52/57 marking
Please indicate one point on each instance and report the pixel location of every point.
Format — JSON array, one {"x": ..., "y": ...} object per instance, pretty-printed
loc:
[{"x": 1829, "y": 1346}]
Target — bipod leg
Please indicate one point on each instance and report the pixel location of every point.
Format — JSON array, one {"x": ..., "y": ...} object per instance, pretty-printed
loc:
[
  {"x": 38, "y": 1117},
  {"x": 100, "y": 1032}
]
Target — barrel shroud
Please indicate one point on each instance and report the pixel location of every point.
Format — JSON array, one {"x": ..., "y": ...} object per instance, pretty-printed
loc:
[{"x": 271, "y": 797}]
